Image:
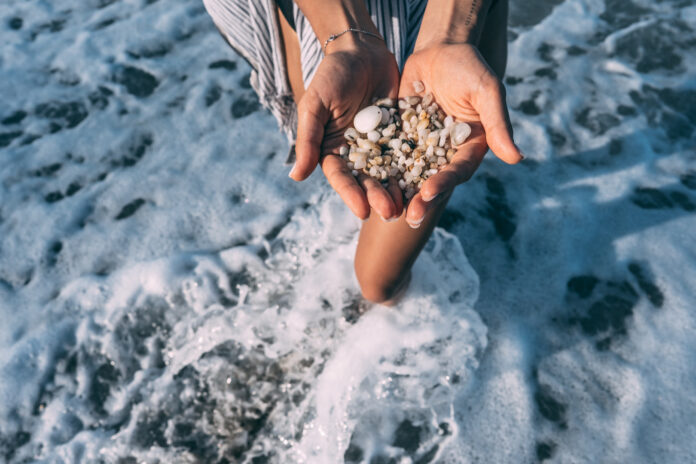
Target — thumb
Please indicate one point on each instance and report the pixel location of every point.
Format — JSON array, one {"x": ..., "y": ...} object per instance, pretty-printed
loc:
[
  {"x": 496, "y": 121},
  {"x": 312, "y": 117}
]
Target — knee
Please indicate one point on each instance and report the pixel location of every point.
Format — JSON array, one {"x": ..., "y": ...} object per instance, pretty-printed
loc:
[{"x": 380, "y": 289}]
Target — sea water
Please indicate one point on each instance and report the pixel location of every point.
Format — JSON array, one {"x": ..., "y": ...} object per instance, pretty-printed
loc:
[{"x": 168, "y": 295}]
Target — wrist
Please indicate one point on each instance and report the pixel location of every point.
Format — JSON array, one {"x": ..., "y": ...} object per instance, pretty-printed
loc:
[
  {"x": 330, "y": 17},
  {"x": 452, "y": 22}
]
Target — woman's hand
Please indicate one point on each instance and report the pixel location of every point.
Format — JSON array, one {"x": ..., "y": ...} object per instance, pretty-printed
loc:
[
  {"x": 465, "y": 87},
  {"x": 357, "y": 69}
]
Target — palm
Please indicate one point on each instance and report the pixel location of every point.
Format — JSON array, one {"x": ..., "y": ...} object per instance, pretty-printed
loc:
[
  {"x": 465, "y": 87},
  {"x": 344, "y": 83}
]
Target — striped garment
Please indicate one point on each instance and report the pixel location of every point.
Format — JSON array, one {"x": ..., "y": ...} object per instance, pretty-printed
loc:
[{"x": 251, "y": 28}]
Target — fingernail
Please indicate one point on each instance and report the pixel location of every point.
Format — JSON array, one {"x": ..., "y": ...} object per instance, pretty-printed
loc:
[
  {"x": 292, "y": 171},
  {"x": 431, "y": 198},
  {"x": 415, "y": 224}
]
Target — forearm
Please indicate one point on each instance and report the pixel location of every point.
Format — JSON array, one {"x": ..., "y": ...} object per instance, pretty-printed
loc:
[
  {"x": 329, "y": 17},
  {"x": 453, "y": 21}
]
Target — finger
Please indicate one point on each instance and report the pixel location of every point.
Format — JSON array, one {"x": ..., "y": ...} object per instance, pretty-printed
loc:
[
  {"x": 418, "y": 209},
  {"x": 465, "y": 162},
  {"x": 496, "y": 120},
  {"x": 347, "y": 187},
  {"x": 312, "y": 117},
  {"x": 377, "y": 196},
  {"x": 397, "y": 196}
]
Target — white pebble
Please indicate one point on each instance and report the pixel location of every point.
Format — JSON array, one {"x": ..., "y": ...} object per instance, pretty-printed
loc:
[
  {"x": 343, "y": 151},
  {"x": 351, "y": 134},
  {"x": 449, "y": 120},
  {"x": 367, "y": 119},
  {"x": 459, "y": 133},
  {"x": 385, "y": 116},
  {"x": 373, "y": 136},
  {"x": 418, "y": 86}
]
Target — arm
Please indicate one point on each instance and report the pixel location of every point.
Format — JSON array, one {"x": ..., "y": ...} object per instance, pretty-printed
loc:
[{"x": 449, "y": 62}]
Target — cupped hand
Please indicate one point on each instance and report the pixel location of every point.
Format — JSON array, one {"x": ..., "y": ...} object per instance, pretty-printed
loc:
[
  {"x": 347, "y": 80},
  {"x": 466, "y": 88}
]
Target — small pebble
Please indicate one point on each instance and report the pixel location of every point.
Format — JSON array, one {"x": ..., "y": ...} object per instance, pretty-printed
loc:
[{"x": 409, "y": 144}]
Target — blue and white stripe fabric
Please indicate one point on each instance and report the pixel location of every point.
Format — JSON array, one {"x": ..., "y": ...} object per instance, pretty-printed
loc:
[{"x": 251, "y": 27}]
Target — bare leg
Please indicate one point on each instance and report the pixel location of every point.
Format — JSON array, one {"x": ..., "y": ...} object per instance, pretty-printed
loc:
[{"x": 386, "y": 251}]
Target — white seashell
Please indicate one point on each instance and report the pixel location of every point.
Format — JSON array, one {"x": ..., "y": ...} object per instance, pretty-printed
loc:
[
  {"x": 373, "y": 136},
  {"x": 449, "y": 120},
  {"x": 367, "y": 119},
  {"x": 459, "y": 133},
  {"x": 385, "y": 116},
  {"x": 418, "y": 86},
  {"x": 351, "y": 134}
]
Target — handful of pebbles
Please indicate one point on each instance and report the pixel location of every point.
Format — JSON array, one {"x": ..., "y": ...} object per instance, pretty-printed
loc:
[{"x": 408, "y": 140}]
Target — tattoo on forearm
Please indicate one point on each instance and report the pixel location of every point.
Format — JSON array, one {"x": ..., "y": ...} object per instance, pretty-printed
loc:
[{"x": 472, "y": 11}]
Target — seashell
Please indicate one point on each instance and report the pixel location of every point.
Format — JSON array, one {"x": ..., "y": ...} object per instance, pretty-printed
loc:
[
  {"x": 418, "y": 86},
  {"x": 387, "y": 102},
  {"x": 367, "y": 119},
  {"x": 385, "y": 116},
  {"x": 459, "y": 133},
  {"x": 351, "y": 134}
]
